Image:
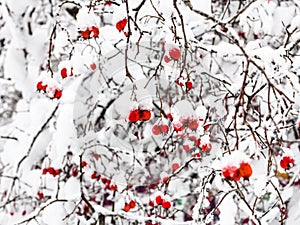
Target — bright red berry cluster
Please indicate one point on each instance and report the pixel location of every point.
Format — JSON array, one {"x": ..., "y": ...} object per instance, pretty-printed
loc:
[
  {"x": 90, "y": 32},
  {"x": 136, "y": 115},
  {"x": 51, "y": 91},
  {"x": 52, "y": 171},
  {"x": 129, "y": 205},
  {"x": 235, "y": 173},
  {"x": 160, "y": 200},
  {"x": 105, "y": 181}
]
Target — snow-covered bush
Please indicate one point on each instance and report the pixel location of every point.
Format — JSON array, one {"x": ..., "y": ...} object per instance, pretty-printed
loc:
[{"x": 153, "y": 112}]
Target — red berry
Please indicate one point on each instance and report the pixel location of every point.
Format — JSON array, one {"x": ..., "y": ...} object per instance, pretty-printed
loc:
[
  {"x": 45, "y": 171},
  {"x": 51, "y": 170},
  {"x": 286, "y": 162},
  {"x": 24, "y": 213},
  {"x": 170, "y": 116},
  {"x": 126, "y": 207},
  {"x": 155, "y": 130},
  {"x": 158, "y": 200},
  {"x": 94, "y": 175},
  {"x": 57, "y": 172},
  {"x": 134, "y": 115},
  {"x": 57, "y": 94},
  {"x": 113, "y": 187},
  {"x": 186, "y": 147},
  {"x": 132, "y": 204},
  {"x": 165, "y": 179},
  {"x": 206, "y": 147},
  {"x": 95, "y": 31},
  {"x": 86, "y": 33},
  {"x": 93, "y": 66},
  {"x": 175, "y": 53},
  {"x": 164, "y": 128},
  {"x": 83, "y": 164},
  {"x": 166, "y": 204},
  {"x": 175, "y": 166},
  {"x": 231, "y": 172},
  {"x": 40, "y": 86},
  {"x": 151, "y": 203},
  {"x": 107, "y": 3},
  {"x": 63, "y": 73},
  {"x": 206, "y": 127},
  {"x": 145, "y": 115},
  {"x": 121, "y": 24},
  {"x": 189, "y": 85},
  {"x": 104, "y": 180},
  {"x": 167, "y": 59},
  {"x": 198, "y": 142},
  {"x": 74, "y": 171},
  {"x": 197, "y": 155},
  {"x": 40, "y": 195},
  {"x": 245, "y": 170},
  {"x": 178, "y": 127},
  {"x": 193, "y": 124},
  {"x": 241, "y": 34}
]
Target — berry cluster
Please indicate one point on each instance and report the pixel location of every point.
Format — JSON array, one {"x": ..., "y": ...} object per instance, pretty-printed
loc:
[
  {"x": 174, "y": 54},
  {"x": 235, "y": 173},
  {"x": 158, "y": 129},
  {"x": 161, "y": 200},
  {"x": 90, "y": 32},
  {"x": 139, "y": 115},
  {"x": 52, "y": 171},
  {"x": 105, "y": 181},
  {"x": 129, "y": 205},
  {"x": 52, "y": 91}
]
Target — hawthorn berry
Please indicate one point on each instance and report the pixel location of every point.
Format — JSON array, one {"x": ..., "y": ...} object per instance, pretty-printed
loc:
[
  {"x": 63, "y": 73},
  {"x": 57, "y": 94},
  {"x": 145, "y": 115},
  {"x": 41, "y": 87},
  {"x": 83, "y": 164},
  {"x": 93, "y": 66},
  {"x": 245, "y": 170},
  {"x": 86, "y": 33},
  {"x": 175, "y": 53},
  {"x": 286, "y": 162},
  {"x": 121, "y": 24},
  {"x": 134, "y": 116},
  {"x": 166, "y": 204},
  {"x": 175, "y": 166},
  {"x": 193, "y": 124},
  {"x": 151, "y": 203},
  {"x": 95, "y": 31},
  {"x": 167, "y": 59},
  {"x": 132, "y": 204},
  {"x": 156, "y": 130},
  {"x": 45, "y": 171},
  {"x": 158, "y": 200},
  {"x": 40, "y": 195},
  {"x": 189, "y": 85},
  {"x": 126, "y": 207},
  {"x": 113, "y": 187}
]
